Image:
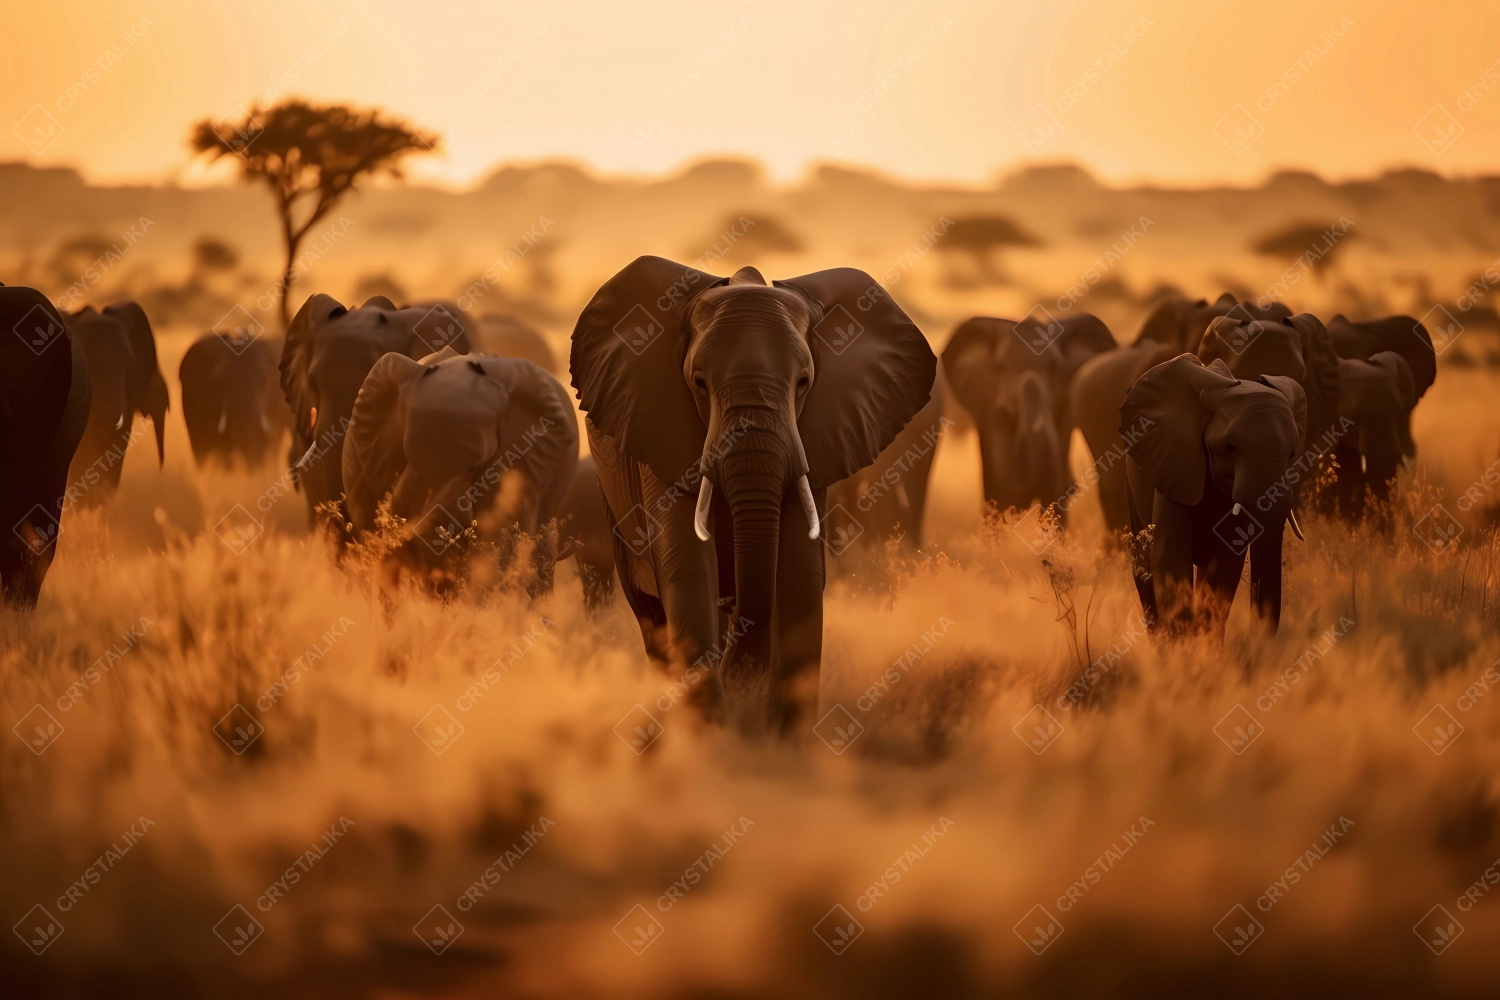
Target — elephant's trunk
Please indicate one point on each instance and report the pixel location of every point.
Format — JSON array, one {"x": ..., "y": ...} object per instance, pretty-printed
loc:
[
  {"x": 1381, "y": 451},
  {"x": 756, "y": 471}
]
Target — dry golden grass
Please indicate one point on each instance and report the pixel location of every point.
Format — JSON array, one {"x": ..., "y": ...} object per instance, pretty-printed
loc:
[{"x": 621, "y": 828}]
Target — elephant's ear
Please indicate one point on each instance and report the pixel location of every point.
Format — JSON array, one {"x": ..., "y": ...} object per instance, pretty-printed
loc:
[
  {"x": 1162, "y": 421},
  {"x": 296, "y": 357},
  {"x": 969, "y": 360},
  {"x": 379, "y": 302},
  {"x": 1296, "y": 399},
  {"x": 1406, "y": 390},
  {"x": 1084, "y": 336},
  {"x": 626, "y": 363},
  {"x": 1410, "y": 339},
  {"x": 373, "y": 453},
  {"x": 538, "y": 430},
  {"x": 1322, "y": 380},
  {"x": 872, "y": 371},
  {"x": 148, "y": 389}
]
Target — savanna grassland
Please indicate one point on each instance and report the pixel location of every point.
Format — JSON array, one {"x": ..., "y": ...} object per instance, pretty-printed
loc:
[{"x": 943, "y": 818}]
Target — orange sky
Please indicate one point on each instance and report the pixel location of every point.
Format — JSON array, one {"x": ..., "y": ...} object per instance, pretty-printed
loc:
[{"x": 930, "y": 89}]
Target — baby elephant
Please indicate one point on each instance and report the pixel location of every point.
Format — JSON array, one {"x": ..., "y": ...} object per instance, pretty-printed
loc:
[{"x": 457, "y": 442}]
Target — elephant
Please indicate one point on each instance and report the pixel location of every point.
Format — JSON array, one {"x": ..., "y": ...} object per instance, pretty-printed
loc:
[
  {"x": 757, "y": 397},
  {"x": 1365, "y": 465},
  {"x": 458, "y": 442},
  {"x": 125, "y": 382},
  {"x": 1014, "y": 379},
  {"x": 231, "y": 399},
  {"x": 1175, "y": 326},
  {"x": 1300, "y": 348},
  {"x": 1208, "y": 474},
  {"x": 887, "y": 500},
  {"x": 508, "y": 336},
  {"x": 328, "y": 351},
  {"x": 584, "y": 533},
  {"x": 45, "y": 400}
]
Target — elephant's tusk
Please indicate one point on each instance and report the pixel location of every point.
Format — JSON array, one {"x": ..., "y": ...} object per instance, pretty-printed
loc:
[
  {"x": 121, "y": 422},
  {"x": 1296, "y": 528},
  {"x": 700, "y": 516},
  {"x": 307, "y": 455},
  {"x": 805, "y": 492},
  {"x": 1236, "y": 511}
]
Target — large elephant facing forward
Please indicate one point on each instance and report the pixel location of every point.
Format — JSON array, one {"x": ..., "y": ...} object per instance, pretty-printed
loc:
[
  {"x": 1208, "y": 475},
  {"x": 44, "y": 407},
  {"x": 1014, "y": 378},
  {"x": 329, "y": 349},
  {"x": 458, "y": 442},
  {"x": 756, "y": 397},
  {"x": 231, "y": 399},
  {"x": 126, "y": 382}
]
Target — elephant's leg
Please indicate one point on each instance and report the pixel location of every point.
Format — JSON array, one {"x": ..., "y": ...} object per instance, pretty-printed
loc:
[
  {"x": 797, "y": 630},
  {"x": 1217, "y": 582},
  {"x": 686, "y": 571},
  {"x": 1265, "y": 574},
  {"x": 1114, "y": 493},
  {"x": 1172, "y": 562}
]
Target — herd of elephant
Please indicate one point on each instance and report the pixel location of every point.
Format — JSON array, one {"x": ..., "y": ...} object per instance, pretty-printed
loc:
[{"x": 734, "y": 427}]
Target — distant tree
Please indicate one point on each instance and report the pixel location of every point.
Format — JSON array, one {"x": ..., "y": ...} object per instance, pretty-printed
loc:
[
  {"x": 1317, "y": 242},
  {"x": 309, "y": 155},
  {"x": 980, "y": 236},
  {"x": 210, "y": 254}
]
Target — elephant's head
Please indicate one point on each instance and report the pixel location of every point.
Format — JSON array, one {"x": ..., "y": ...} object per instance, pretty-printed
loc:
[
  {"x": 457, "y": 440},
  {"x": 1378, "y": 395},
  {"x": 145, "y": 386},
  {"x": 329, "y": 350},
  {"x": 1196, "y": 425},
  {"x": 1401, "y": 335},
  {"x": 1197, "y": 319},
  {"x": 1013, "y": 379},
  {"x": 1165, "y": 323},
  {"x": 125, "y": 380},
  {"x": 771, "y": 391}
]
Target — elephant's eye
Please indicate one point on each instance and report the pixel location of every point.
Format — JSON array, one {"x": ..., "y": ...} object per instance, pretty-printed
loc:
[
  {"x": 698, "y": 381},
  {"x": 1230, "y": 449},
  {"x": 802, "y": 382}
]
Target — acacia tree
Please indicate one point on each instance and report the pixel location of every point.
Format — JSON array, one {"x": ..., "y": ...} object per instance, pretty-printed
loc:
[{"x": 309, "y": 155}]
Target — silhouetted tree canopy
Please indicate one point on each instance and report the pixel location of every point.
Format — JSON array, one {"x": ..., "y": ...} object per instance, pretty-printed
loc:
[
  {"x": 210, "y": 254},
  {"x": 980, "y": 233},
  {"x": 309, "y": 155},
  {"x": 1318, "y": 241}
]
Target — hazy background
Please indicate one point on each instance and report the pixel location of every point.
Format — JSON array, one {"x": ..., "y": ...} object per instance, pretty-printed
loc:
[{"x": 949, "y": 113}]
